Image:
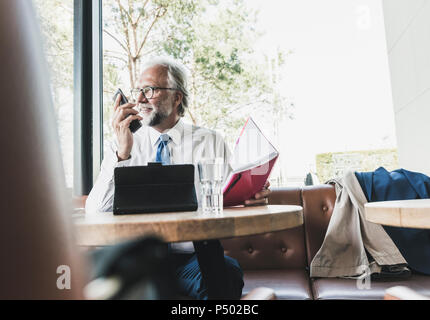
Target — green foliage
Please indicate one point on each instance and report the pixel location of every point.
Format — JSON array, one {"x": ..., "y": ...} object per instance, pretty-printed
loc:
[
  {"x": 56, "y": 17},
  {"x": 332, "y": 165},
  {"x": 214, "y": 39},
  {"x": 56, "y": 20}
]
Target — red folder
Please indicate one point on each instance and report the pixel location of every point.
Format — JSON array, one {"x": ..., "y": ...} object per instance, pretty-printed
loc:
[{"x": 252, "y": 162}]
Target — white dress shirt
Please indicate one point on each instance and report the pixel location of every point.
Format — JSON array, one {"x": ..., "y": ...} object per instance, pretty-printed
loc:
[{"x": 188, "y": 145}]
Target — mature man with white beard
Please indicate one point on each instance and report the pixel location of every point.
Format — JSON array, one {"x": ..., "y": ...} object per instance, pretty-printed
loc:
[{"x": 160, "y": 100}]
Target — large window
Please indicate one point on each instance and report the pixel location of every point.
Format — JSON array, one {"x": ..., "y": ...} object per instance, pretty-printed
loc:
[
  {"x": 337, "y": 76},
  {"x": 216, "y": 40},
  {"x": 56, "y": 17},
  {"x": 313, "y": 74}
]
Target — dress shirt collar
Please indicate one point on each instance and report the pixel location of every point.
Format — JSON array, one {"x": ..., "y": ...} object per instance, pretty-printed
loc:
[{"x": 175, "y": 134}]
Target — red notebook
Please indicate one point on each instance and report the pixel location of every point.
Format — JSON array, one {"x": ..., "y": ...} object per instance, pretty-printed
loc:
[{"x": 252, "y": 162}]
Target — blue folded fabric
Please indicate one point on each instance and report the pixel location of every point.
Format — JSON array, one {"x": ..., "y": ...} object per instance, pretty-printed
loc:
[{"x": 401, "y": 184}]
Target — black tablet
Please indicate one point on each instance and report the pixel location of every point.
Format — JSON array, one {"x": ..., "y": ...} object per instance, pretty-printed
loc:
[{"x": 154, "y": 188}]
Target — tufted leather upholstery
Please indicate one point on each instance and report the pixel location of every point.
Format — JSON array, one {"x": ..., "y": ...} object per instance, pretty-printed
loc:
[
  {"x": 346, "y": 289},
  {"x": 287, "y": 283},
  {"x": 318, "y": 204},
  {"x": 277, "y": 259},
  {"x": 280, "y": 260},
  {"x": 282, "y": 249}
]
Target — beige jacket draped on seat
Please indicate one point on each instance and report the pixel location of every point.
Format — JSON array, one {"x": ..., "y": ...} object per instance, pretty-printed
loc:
[{"x": 349, "y": 235}]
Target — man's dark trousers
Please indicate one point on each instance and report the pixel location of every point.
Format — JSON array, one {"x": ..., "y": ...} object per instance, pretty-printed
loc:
[{"x": 208, "y": 273}]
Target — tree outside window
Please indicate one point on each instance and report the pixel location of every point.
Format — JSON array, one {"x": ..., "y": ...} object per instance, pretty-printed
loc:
[
  {"x": 56, "y": 19},
  {"x": 214, "y": 39}
]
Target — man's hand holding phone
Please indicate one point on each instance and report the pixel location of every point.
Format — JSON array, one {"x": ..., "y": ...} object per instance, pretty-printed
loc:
[{"x": 123, "y": 116}]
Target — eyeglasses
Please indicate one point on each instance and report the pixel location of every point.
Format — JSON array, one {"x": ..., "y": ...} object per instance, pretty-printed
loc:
[{"x": 148, "y": 92}]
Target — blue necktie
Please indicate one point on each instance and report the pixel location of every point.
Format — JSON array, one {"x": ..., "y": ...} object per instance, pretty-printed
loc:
[{"x": 163, "y": 154}]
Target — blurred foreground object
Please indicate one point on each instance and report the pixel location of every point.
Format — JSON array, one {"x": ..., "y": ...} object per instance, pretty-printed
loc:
[
  {"x": 39, "y": 260},
  {"x": 136, "y": 269},
  {"x": 141, "y": 270}
]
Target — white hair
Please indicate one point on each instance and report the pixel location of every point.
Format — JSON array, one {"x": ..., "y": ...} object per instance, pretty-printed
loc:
[{"x": 176, "y": 76}]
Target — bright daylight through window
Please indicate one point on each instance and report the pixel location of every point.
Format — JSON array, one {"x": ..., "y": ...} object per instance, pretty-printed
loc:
[
  {"x": 301, "y": 73},
  {"x": 56, "y": 18},
  {"x": 309, "y": 72}
]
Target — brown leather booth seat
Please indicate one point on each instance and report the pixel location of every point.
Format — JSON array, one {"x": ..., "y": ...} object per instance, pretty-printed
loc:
[
  {"x": 280, "y": 260},
  {"x": 346, "y": 289},
  {"x": 276, "y": 260}
]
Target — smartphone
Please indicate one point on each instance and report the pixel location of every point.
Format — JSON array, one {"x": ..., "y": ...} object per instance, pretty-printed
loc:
[{"x": 135, "y": 124}]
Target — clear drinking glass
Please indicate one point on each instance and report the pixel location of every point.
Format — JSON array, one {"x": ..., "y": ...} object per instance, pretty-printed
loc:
[{"x": 211, "y": 173}]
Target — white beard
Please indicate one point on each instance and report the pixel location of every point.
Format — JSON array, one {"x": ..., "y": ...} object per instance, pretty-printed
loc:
[
  {"x": 147, "y": 118},
  {"x": 155, "y": 117}
]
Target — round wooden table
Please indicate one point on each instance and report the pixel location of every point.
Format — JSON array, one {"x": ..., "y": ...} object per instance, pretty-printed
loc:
[
  {"x": 105, "y": 228},
  {"x": 403, "y": 213}
]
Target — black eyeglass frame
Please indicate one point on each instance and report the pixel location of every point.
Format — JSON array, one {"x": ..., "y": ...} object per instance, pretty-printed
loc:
[{"x": 141, "y": 90}]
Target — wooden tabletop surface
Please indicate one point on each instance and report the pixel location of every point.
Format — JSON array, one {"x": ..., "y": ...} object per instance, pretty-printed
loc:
[
  {"x": 403, "y": 213},
  {"x": 105, "y": 228}
]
